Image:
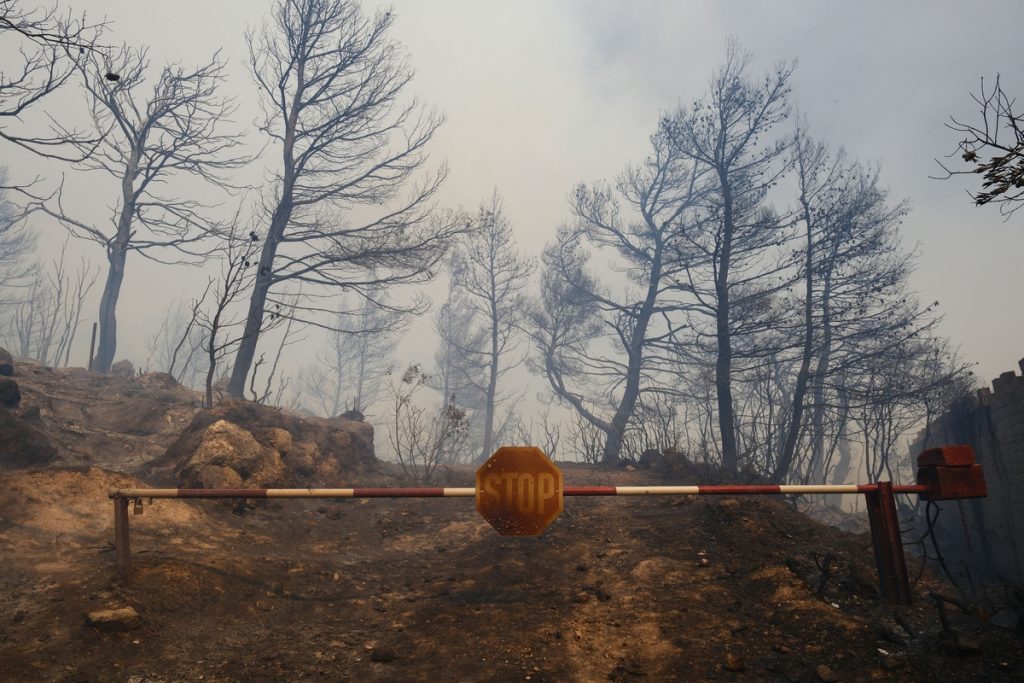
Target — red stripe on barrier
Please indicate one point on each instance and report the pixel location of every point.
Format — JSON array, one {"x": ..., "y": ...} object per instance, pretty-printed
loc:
[
  {"x": 222, "y": 493},
  {"x": 589, "y": 491},
  {"x": 398, "y": 493}
]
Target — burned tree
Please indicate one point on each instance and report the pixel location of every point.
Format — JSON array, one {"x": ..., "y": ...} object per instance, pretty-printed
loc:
[
  {"x": 350, "y": 367},
  {"x": 459, "y": 362},
  {"x": 333, "y": 85},
  {"x": 993, "y": 148},
  {"x": 729, "y": 268},
  {"x": 52, "y": 46},
  {"x": 148, "y": 140},
  {"x": 606, "y": 345},
  {"x": 492, "y": 276}
]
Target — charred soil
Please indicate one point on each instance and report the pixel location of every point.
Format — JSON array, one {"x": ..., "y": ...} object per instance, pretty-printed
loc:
[{"x": 653, "y": 589}]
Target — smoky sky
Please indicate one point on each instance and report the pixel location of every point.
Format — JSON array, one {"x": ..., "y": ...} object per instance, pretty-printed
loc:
[{"x": 541, "y": 95}]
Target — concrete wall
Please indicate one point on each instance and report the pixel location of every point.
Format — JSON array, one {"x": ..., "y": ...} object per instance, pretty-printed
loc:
[{"x": 989, "y": 541}]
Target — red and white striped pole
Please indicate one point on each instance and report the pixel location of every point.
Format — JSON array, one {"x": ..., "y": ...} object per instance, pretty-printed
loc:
[
  {"x": 945, "y": 473},
  {"x": 469, "y": 492}
]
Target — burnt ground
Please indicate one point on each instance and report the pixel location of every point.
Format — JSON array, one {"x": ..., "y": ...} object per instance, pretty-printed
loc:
[
  {"x": 619, "y": 589},
  {"x": 423, "y": 590}
]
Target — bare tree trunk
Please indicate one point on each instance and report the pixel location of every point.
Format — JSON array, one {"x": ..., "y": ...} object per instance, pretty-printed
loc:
[
  {"x": 264, "y": 277},
  {"x": 117, "y": 253},
  {"x": 723, "y": 365},
  {"x": 800, "y": 390},
  {"x": 108, "y": 316},
  {"x": 253, "y": 323},
  {"x": 492, "y": 389},
  {"x": 637, "y": 342}
]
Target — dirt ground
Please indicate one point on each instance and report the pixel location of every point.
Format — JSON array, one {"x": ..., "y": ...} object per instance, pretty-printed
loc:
[
  {"x": 424, "y": 590},
  {"x": 617, "y": 589}
]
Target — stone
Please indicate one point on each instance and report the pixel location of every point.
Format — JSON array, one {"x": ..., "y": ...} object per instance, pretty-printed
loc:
[
  {"x": 825, "y": 674},
  {"x": 119, "y": 619},
  {"x": 10, "y": 393},
  {"x": 6, "y": 363},
  {"x": 217, "y": 477},
  {"x": 22, "y": 444},
  {"x": 302, "y": 457},
  {"x": 275, "y": 437},
  {"x": 734, "y": 662},
  {"x": 225, "y": 445},
  {"x": 122, "y": 368},
  {"x": 383, "y": 655}
]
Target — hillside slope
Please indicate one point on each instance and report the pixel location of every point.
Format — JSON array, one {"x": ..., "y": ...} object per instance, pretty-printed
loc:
[{"x": 650, "y": 589}]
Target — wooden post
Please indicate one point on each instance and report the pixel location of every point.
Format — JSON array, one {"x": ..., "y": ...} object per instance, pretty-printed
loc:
[
  {"x": 122, "y": 548},
  {"x": 92, "y": 345},
  {"x": 885, "y": 536}
]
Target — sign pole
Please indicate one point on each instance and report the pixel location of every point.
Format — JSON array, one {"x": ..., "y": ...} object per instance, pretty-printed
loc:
[{"x": 885, "y": 536}]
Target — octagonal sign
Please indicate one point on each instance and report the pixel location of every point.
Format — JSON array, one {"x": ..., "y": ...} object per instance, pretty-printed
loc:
[{"x": 519, "y": 491}]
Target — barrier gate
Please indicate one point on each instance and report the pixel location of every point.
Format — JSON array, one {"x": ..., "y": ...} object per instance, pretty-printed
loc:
[{"x": 520, "y": 492}]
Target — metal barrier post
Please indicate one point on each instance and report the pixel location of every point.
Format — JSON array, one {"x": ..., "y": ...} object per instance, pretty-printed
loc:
[
  {"x": 885, "y": 535},
  {"x": 122, "y": 549}
]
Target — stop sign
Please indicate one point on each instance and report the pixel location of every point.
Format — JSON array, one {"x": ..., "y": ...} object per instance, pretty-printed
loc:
[{"x": 519, "y": 491}]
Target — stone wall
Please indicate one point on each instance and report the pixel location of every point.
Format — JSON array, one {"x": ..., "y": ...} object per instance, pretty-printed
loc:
[{"x": 989, "y": 540}]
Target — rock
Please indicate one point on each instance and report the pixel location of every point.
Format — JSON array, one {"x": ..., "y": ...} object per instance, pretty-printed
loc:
[
  {"x": 825, "y": 674},
  {"x": 354, "y": 415},
  {"x": 276, "y": 438},
  {"x": 1007, "y": 618},
  {"x": 120, "y": 619},
  {"x": 649, "y": 458},
  {"x": 890, "y": 663},
  {"x": 159, "y": 379},
  {"x": 10, "y": 393},
  {"x": 31, "y": 413},
  {"x": 22, "y": 445},
  {"x": 216, "y": 477},
  {"x": 734, "y": 662},
  {"x": 967, "y": 646},
  {"x": 629, "y": 468},
  {"x": 122, "y": 368},
  {"x": 227, "y": 446},
  {"x": 6, "y": 363},
  {"x": 302, "y": 457},
  {"x": 383, "y": 655}
]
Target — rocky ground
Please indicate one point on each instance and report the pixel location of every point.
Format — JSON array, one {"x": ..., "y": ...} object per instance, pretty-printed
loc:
[{"x": 650, "y": 589}]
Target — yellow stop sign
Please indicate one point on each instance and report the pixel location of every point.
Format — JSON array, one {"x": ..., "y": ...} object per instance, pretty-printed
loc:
[{"x": 519, "y": 491}]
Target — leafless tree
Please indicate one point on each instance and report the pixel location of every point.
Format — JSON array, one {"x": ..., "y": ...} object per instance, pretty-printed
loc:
[
  {"x": 349, "y": 369},
  {"x": 16, "y": 245},
  {"x": 174, "y": 131},
  {"x": 177, "y": 346},
  {"x": 333, "y": 87},
  {"x": 993, "y": 148},
  {"x": 729, "y": 269},
  {"x": 493, "y": 275},
  {"x": 50, "y": 47},
  {"x": 46, "y": 318},
  {"x": 422, "y": 440},
  {"x": 598, "y": 349},
  {"x": 459, "y": 362},
  {"x": 217, "y": 321}
]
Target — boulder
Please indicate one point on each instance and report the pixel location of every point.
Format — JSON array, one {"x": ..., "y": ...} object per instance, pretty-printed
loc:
[
  {"x": 302, "y": 458},
  {"x": 22, "y": 445},
  {"x": 6, "y": 363},
  {"x": 275, "y": 437},
  {"x": 225, "y": 446},
  {"x": 10, "y": 394},
  {"x": 122, "y": 368}
]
